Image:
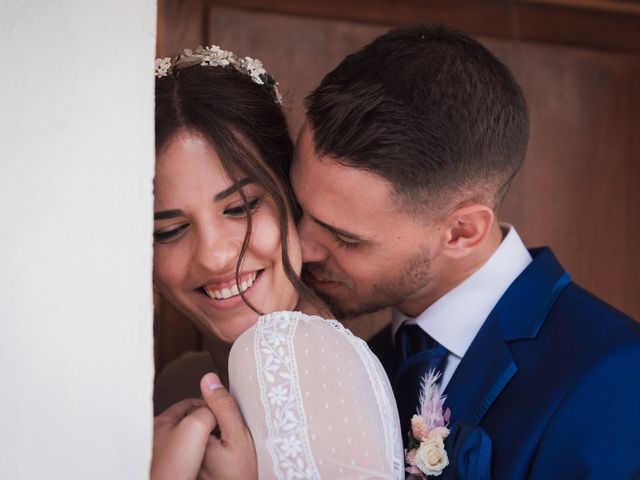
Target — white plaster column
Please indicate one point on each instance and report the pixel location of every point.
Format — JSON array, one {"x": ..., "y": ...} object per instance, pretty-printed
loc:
[{"x": 76, "y": 169}]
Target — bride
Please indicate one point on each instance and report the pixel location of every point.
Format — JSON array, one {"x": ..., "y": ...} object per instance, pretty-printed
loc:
[{"x": 316, "y": 401}]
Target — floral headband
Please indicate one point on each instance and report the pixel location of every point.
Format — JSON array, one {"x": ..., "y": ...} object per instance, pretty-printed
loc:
[{"x": 214, "y": 56}]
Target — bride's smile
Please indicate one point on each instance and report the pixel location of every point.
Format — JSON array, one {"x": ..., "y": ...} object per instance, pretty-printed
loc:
[
  {"x": 200, "y": 227},
  {"x": 229, "y": 295},
  {"x": 227, "y": 289}
]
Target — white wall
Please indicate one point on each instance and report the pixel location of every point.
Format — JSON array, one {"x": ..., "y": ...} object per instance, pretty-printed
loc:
[{"x": 76, "y": 168}]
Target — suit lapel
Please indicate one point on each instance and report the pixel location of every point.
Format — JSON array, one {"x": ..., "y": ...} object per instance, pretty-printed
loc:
[
  {"x": 472, "y": 390},
  {"x": 488, "y": 365}
]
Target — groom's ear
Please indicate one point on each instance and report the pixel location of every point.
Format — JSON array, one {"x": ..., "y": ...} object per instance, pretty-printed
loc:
[{"x": 467, "y": 228}]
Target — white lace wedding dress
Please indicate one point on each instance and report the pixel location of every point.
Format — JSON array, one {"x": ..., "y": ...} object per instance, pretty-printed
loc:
[{"x": 316, "y": 399}]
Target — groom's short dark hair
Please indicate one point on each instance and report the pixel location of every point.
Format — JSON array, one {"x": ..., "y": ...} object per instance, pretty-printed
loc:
[{"x": 427, "y": 108}]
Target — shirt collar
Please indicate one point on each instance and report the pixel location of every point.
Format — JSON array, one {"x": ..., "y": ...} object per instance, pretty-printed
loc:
[{"x": 455, "y": 319}]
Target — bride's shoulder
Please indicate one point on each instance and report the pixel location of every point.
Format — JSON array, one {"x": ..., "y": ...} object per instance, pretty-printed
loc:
[
  {"x": 293, "y": 323},
  {"x": 292, "y": 327},
  {"x": 291, "y": 373}
]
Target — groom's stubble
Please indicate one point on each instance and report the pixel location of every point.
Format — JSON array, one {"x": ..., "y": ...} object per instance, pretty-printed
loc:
[{"x": 409, "y": 281}]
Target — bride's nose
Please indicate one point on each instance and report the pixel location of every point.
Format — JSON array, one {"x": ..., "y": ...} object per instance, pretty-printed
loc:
[{"x": 216, "y": 250}]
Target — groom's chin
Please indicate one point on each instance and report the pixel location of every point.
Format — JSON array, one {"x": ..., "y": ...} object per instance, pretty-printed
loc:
[{"x": 347, "y": 310}]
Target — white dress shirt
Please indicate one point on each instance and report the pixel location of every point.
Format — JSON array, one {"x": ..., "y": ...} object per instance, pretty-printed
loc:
[{"x": 455, "y": 319}]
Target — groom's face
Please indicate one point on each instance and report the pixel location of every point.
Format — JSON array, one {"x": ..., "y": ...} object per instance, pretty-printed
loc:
[{"x": 361, "y": 250}]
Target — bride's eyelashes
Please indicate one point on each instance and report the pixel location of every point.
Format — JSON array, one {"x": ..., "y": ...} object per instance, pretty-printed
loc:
[
  {"x": 173, "y": 233},
  {"x": 242, "y": 210}
]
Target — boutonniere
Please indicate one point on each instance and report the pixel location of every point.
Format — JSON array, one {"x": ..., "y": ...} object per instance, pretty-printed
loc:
[{"x": 426, "y": 454}]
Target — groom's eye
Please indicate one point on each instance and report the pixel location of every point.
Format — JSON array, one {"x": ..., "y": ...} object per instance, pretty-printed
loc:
[{"x": 346, "y": 244}]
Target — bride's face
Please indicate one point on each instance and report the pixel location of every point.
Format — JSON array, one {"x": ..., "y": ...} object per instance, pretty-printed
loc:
[{"x": 199, "y": 228}]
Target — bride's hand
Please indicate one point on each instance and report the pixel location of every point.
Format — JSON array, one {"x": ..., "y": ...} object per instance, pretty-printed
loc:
[
  {"x": 233, "y": 455},
  {"x": 180, "y": 436}
]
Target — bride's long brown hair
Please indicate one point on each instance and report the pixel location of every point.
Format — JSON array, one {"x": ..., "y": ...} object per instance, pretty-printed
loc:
[{"x": 249, "y": 132}]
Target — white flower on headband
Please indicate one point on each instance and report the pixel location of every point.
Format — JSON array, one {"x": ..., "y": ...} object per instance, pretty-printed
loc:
[
  {"x": 214, "y": 56},
  {"x": 253, "y": 68},
  {"x": 163, "y": 65},
  {"x": 276, "y": 94}
]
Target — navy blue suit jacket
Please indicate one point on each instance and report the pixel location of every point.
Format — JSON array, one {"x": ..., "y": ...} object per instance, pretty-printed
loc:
[{"x": 549, "y": 388}]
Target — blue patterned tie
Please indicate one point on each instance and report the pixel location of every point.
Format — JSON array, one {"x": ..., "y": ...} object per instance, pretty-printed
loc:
[{"x": 416, "y": 354}]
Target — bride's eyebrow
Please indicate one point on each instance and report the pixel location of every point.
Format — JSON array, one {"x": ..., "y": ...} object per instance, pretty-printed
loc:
[
  {"x": 232, "y": 189},
  {"x": 165, "y": 214}
]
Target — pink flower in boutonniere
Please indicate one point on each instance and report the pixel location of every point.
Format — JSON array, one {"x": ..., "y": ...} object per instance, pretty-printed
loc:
[{"x": 426, "y": 454}]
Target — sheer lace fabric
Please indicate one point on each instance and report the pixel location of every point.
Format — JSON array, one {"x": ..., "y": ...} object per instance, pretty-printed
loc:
[{"x": 317, "y": 401}]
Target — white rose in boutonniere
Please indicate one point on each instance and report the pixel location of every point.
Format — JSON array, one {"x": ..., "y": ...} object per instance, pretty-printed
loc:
[
  {"x": 431, "y": 456},
  {"x": 426, "y": 455}
]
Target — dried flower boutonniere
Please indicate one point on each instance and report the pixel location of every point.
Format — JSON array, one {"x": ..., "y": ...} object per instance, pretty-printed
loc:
[{"x": 426, "y": 454}]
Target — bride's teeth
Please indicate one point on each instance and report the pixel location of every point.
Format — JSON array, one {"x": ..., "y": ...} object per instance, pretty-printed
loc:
[{"x": 233, "y": 291}]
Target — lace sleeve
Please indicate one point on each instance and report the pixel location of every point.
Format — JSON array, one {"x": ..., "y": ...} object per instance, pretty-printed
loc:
[{"x": 317, "y": 401}]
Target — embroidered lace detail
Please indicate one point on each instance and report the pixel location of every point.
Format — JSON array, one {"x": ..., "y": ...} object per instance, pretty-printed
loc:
[
  {"x": 383, "y": 394},
  {"x": 288, "y": 440}
]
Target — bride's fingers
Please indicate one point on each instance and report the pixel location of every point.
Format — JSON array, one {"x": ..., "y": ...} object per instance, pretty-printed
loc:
[
  {"x": 232, "y": 427},
  {"x": 200, "y": 423},
  {"x": 176, "y": 412}
]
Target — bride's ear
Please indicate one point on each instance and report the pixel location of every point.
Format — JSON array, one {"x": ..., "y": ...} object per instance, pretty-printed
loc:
[{"x": 467, "y": 228}]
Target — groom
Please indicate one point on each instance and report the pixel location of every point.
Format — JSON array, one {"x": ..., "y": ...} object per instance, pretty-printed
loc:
[{"x": 408, "y": 150}]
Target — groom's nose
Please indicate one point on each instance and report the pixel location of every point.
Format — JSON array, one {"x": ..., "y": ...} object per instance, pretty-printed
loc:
[{"x": 310, "y": 239}]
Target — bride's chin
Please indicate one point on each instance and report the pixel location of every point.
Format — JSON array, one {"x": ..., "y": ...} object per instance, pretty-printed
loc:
[{"x": 228, "y": 334}]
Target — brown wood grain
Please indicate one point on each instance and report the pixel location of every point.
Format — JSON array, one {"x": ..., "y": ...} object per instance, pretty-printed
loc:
[
  {"x": 577, "y": 191},
  {"x": 174, "y": 334},
  {"x": 181, "y": 24},
  {"x": 596, "y": 23}
]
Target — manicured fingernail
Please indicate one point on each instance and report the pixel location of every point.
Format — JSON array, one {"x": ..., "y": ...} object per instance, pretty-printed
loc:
[{"x": 212, "y": 382}]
